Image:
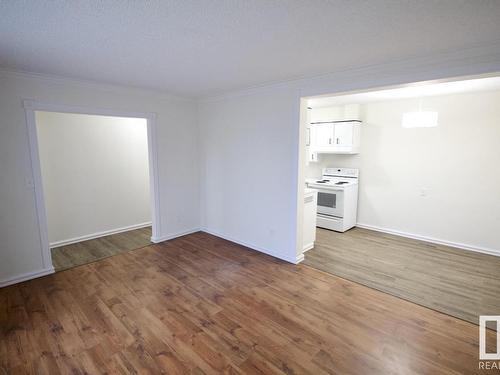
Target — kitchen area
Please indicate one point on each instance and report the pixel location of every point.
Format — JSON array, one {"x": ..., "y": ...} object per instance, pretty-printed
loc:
[
  {"x": 401, "y": 186},
  {"x": 331, "y": 195}
]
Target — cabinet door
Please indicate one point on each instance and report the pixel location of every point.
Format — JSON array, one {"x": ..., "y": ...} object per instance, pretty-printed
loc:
[
  {"x": 323, "y": 135},
  {"x": 343, "y": 134}
]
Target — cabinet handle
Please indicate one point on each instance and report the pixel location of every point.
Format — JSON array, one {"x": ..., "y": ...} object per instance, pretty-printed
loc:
[
  {"x": 337, "y": 141},
  {"x": 329, "y": 141}
]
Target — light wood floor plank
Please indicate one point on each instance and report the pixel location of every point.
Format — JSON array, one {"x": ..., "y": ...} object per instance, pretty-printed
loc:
[{"x": 457, "y": 282}]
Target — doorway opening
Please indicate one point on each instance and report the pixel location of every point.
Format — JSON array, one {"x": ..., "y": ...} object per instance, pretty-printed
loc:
[
  {"x": 95, "y": 180},
  {"x": 383, "y": 176}
]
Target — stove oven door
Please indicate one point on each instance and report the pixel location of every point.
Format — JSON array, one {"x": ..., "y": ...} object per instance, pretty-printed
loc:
[{"x": 331, "y": 202}]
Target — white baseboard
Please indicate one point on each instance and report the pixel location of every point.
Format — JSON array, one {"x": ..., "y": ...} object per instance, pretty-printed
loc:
[
  {"x": 436, "y": 241},
  {"x": 253, "y": 247},
  {"x": 308, "y": 247},
  {"x": 26, "y": 276},
  {"x": 174, "y": 235},
  {"x": 98, "y": 234}
]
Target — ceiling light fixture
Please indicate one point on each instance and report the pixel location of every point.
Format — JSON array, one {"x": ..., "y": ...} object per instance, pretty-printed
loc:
[{"x": 420, "y": 119}]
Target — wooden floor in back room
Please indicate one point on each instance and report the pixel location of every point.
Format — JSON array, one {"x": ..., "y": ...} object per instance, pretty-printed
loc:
[
  {"x": 458, "y": 282},
  {"x": 76, "y": 254},
  {"x": 203, "y": 305}
]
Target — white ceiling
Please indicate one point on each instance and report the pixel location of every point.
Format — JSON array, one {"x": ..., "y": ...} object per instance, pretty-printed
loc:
[
  {"x": 411, "y": 91},
  {"x": 200, "y": 48}
]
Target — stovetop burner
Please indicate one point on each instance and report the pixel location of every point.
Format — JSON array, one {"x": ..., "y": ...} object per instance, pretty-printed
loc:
[{"x": 336, "y": 183}]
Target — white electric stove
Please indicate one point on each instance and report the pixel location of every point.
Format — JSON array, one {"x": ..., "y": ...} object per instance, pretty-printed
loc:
[{"x": 337, "y": 198}]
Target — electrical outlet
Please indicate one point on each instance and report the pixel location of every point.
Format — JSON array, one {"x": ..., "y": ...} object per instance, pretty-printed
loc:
[{"x": 423, "y": 192}]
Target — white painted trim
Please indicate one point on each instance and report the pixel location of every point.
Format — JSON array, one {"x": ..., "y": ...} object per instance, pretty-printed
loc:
[
  {"x": 36, "y": 182},
  {"x": 114, "y": 87},
  {"x": 308, "y": 247},
  {"x": 30, "y": 106},
  {"x": 472, "y": 60},
  {"x": 174, "y": 235},
  {"x": 432, "y": 240},
  {"x": 26, "y": 276},
  {"x": 35, "y": 105},
  {"x": 154, "y": 176},
  {"x": 253, "y": 247},
  {"x": 299, "y": 159},
  {"x": 91, "y": 236}
]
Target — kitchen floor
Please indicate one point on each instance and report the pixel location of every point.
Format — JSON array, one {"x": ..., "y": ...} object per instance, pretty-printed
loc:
[
  {"x": 459, "y": 283},
  {"x": 84, "y": 252}
]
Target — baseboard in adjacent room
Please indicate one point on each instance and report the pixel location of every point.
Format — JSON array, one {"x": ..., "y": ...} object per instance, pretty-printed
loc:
[
  {"x": 174, "y": 235},
  {"x": 26, "y": 276},
  {"x": 436, "y": 241},
  {"x": 99, "y": 234},
  {"x": 308, "y": 247}
]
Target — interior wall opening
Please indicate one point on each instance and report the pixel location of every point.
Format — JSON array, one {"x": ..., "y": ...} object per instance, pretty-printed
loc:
[
  {"x": 95, "y": 177},
  {"x": 391, "y": 181}
]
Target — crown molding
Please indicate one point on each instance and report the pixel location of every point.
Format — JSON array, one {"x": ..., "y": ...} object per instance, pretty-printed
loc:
[
  {"x": 57, "y": 79},
  {"x": 467, "y": 62}
]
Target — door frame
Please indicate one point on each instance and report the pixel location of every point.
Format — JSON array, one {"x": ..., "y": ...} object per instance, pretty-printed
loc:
[{"x": 32, "y": 106}]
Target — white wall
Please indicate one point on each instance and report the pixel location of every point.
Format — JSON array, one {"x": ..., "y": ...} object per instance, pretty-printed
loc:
[
  {"x": 243, "y": 140},
  {"x": 250, "y": 147},
  {"x": 95, "y": 173},
  {"x": 264, "y": 142},
  {"x": 455, "y": 164},
  {"x": 177, "y": 144}
]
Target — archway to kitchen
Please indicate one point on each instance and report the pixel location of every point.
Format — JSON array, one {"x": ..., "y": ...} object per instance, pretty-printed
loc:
[
  {"x": 387, "y": 175},
  {"x": 94, "y": 174}
]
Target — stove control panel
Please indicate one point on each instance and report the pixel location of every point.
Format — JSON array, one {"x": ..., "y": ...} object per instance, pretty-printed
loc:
[{"x": 341, "y": 172}]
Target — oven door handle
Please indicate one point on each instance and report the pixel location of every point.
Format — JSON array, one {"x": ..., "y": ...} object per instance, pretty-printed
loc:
[
  {"x": 324, "y": 189},
  {"x": 328, "y": 190}
]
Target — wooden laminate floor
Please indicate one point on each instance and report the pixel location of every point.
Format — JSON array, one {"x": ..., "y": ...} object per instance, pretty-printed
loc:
[
  {"x": 202, "y": 305},
  {"x": 84, "y": 252},
  {"x": 457, "y": 282}
]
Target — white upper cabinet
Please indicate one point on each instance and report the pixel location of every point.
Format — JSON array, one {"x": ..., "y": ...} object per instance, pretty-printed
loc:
[
  {"x": 335, "y": 130},
  {"x": 344, "y": 134},
  {"x": 336, "y": 137},
  {"x": 323, "y": 135}
]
